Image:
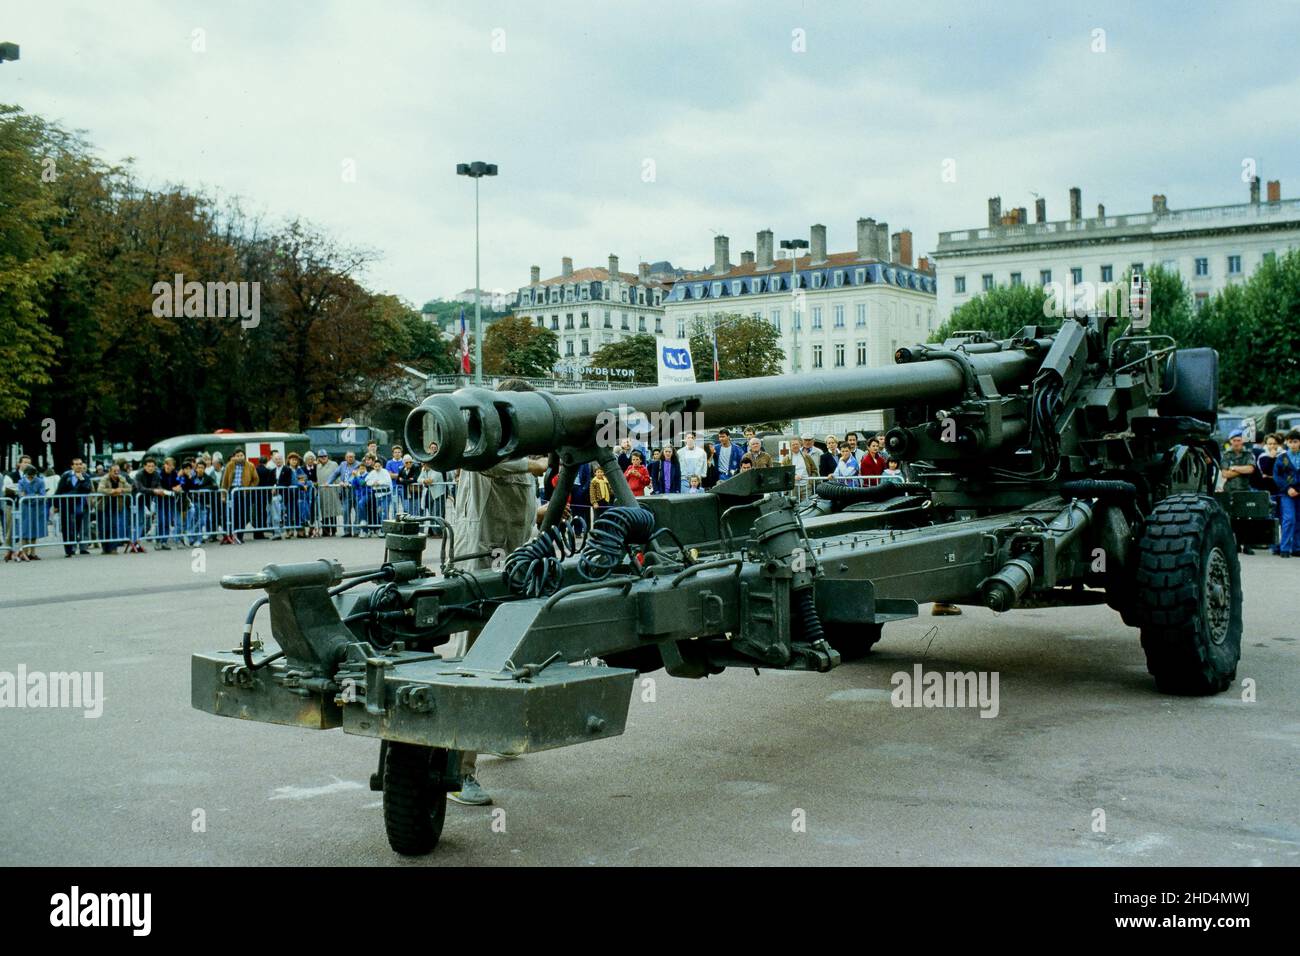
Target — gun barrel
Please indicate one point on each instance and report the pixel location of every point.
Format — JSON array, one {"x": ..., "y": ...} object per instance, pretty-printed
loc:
[{"x": 476, "y": 428}]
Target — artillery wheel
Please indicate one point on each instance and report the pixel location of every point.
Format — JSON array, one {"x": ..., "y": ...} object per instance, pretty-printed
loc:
[
  {"x": 415, "y": 800},
  {"x": 853, "y": 641},
  {"x": 1187, "y": 599}
]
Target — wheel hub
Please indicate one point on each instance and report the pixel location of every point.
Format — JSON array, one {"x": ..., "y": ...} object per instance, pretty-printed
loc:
[{"x": 1218, "y": 595}]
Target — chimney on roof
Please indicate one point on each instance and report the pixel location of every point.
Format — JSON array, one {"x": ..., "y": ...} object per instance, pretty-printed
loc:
[
  {"x": 1275, "y": 190},
  {"x": 1040, "y": 210},
  {"x": 902, "y": 247},
  {"x": 995, "y": 211},
  {"x": 1254, "y": 190},
  {"x": 534, "y": 275},
  {"x": 643, "y": 271},
  {"x": 765, "y": 249},
  {"x": 747, "y": 258},
  {"x": 867, "y": 239},
  {"x": 882, "y": 241},
  {"x": 1076, "y": 203},
  {"x": 1159, "y": 205},
  {"x": 1021, "y": 215},
  {"x": 721, "y": 261},
  {"x": 818, "y": 245},
  {"x": 613, "y": 266},
  {"x": 923, "y": 263},
  {"x": 1101, "y": 211},
  {"x": 566, "y": 267}
]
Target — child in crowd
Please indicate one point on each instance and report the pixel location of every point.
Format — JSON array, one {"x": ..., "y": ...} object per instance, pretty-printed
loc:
[
  {"x": 637, "y": 475},
  {"x": 891, "y": 472},
  {"x": 694, "y": 487},
  {"x": 600, "y": 492}
]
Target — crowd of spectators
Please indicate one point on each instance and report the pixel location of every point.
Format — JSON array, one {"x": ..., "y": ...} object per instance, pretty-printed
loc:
[{"x": 201, "y": 499}]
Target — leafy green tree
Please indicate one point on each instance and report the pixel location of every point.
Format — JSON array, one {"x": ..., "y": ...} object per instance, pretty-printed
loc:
[
  {"x": 748, "y": 346},
  {"x": 636, "y": 353},
  {"x": 514, "y": 345},
  {"x": 1002, "y": 312},
  {"x": 29, "y": 264}
]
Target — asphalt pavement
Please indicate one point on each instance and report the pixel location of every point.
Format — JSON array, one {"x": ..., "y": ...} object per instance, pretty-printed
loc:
[{"x": 1085, "y": 763}]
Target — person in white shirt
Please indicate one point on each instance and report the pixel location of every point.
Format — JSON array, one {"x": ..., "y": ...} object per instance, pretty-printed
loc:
[
  {"x": 692, "y": 461},
  {"x": 379, "y": 481},
  {"x": 807, "y": 460}
]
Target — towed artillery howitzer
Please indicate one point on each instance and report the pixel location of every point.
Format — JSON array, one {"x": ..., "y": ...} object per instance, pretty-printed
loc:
[{"x": 1057, "y": 468}]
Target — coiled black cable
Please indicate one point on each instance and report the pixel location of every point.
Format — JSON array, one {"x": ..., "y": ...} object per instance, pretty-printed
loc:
[
  {"x": 1098, "y": 488},
  {"x": 834, "y": 491},
  {"x": 533, "y": 570},
  {"x": 613, "y": 531}
]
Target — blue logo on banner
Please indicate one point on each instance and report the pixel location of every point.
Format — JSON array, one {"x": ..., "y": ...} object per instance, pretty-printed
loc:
[{"x": 677, "y": 358}]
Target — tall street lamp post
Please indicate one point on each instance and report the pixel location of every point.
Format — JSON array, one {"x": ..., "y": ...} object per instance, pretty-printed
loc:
[
  {"x": 794, "y": 245},
  {"x": 477, "y": 171}
]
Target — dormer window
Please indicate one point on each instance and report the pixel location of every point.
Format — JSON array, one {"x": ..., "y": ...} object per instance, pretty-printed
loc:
[
  {"x": 839, "y": 278},
  {"x": 860, "y": 276},
  {"x": 716, "y": 290},
  {"x": 816, "y": 280},
  {"x": 736, "y": 286},
  {"x": 698, "y": 291}
]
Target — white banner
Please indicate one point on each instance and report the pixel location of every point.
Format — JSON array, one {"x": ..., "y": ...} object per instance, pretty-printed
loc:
[{"x": 675, "y": 366}]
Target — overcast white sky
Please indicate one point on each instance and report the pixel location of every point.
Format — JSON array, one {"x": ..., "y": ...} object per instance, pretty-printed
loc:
[{"x": 744, "y": 132}]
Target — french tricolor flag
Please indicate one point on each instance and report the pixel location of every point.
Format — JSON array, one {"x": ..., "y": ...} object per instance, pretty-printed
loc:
[{"x": 464, "y": 343}]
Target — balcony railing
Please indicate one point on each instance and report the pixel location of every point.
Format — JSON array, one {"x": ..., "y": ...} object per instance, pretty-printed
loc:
[{"x": 1147, "y": 222}]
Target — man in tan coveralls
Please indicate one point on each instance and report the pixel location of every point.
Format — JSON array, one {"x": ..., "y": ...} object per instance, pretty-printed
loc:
[{"x": 495, "y": 512}]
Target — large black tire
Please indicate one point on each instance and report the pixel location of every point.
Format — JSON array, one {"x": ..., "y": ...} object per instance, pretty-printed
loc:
[
  {"x": 853, "y": 641},
  {"x": 1187, "y": 599},
  {"x": 415, "y": 801}
]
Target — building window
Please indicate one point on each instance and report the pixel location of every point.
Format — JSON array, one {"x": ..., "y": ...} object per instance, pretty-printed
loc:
[
  {"x": 798, "y": 319},
  {"x": 816, "y": 280},
  {"x": 585, "y": 323},
  {"x": 608, "y": 324},
  {"x": 715, "y": 290},
  {"x": 568, "y": 348},
  {"x": 659, "y": 325},
  {"x": 776, "y": 319},
  {"x": 698, "y": 291},
  {"x": 1015, "y": 279},
  {"x": 988, "y": 282},
  {"x": 584, "y": 293},
  {"x": 586, "y": 346},
  {"x": 568, "y": 321},
  {"x": 640, "y": 323},
  {"x": 839, "y": 356},
  {"x": 816, "y": 317},
  {"x": 1234, "y": 265},
  {"x": 735, "y": 287},
  {"x": 839, "y": 316},
  {"x": 862, "y": 353},
  {"x": 1202, "y": 266},
  {"x": 860, "y": 276},
  {"x": 1107, "y": 273},
  {"x": 817, "y": 356},
  {"x": 959, "y": 285},
  {"x": 1045, "y": 276},
  {"x": 839, "y": 278},
  {"x": 626, "y": 327},
  {"x": 861, "y": 320},
  {"x": 640, "y": 296},
  {"x": 555, "y": 322},
  {"x": 623, "y": 295},
  {"x": 1136, "y": 266},
  {"x": 1076, "y": 275},
  {"x": 681, "y": 328},
  {"x": 541, "y": 322}
]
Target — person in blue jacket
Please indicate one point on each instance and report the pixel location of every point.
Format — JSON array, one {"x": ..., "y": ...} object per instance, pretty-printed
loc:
[
  {"x": 1286, "y": 475},
  {"x": 73, "y": 498}
]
